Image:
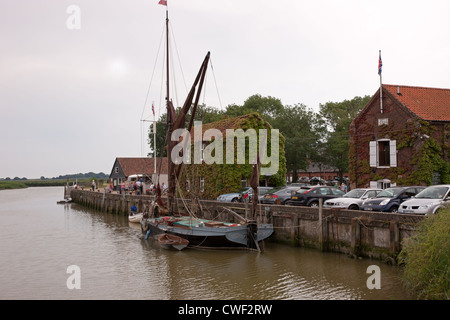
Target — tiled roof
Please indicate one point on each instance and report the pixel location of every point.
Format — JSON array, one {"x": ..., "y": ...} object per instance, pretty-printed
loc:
[
  {"x": 427, "y": 103},
  {"x": 142, "y": 165}
]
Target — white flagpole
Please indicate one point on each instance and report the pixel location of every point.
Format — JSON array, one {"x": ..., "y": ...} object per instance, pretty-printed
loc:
[
  {"x": 380, "y": 64},
  {"x": 154, "y": 137}
]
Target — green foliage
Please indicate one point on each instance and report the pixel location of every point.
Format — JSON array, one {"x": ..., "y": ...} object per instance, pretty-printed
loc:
[
  {"x": 225, "y": 178},
  {"x": 426, "y": 258},
  {"x": 429, "y": 161},
  {"x": 298, "y": 125},
  {"x": 12, "y": 185},
  {"x": 337, "y": 117}
]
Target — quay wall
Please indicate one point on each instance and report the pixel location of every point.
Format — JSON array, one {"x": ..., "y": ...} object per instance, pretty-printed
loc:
[{"x": 356, "y": 233}]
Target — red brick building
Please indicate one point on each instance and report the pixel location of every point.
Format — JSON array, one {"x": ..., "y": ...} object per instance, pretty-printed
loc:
[{"x": 402, "y": 141}]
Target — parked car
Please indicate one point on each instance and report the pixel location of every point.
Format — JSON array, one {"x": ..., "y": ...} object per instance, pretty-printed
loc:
[
  {"x": 298, "y": 184},
  {"x": 309, "y": 196},
  {"x": 278, "y": 195},
  {"x": 234, "y": 196},
  {"x": 244, "y": 193},
  {"x": 316, "y": 180},
  {"x": 249, "y": 194},
  {"x": 303, "y": 180},
  {"x": 352, "y": 200},
  {"x": 389, "y": 199},
  {"x": 428, "y": 201}
]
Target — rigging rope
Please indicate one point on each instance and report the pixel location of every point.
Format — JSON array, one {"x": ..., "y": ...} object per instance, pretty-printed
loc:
[
  {"x": 151, "y": 78},
  {"x": 215, "y": 82}
]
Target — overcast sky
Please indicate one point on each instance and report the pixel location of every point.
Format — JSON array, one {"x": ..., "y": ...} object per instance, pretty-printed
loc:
[{"x": 72, "y": 100}]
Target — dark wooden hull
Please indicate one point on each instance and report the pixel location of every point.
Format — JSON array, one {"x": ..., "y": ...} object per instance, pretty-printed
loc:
[{"x": 208, "y": 237}]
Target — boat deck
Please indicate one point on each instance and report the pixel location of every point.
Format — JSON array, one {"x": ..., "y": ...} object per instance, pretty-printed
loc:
[{"x": 189, "y": 222}]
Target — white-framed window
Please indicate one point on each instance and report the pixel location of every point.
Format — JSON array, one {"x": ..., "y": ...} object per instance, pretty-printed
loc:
[
  {"x": 383, "y": 153},
  {"x": 116, "y": 169}
]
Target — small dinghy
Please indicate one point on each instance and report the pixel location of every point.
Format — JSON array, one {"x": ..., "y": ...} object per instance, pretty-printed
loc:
[
  {"x": 168, "y": 241},
  {"x": 135, "y": 217},
  {"x": 69, "y": 200}
]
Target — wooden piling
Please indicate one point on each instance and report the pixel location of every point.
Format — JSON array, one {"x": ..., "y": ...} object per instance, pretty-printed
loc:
[
  {"x": 356, "y": 236},
  {"x": 394, "y": 236},
  {"x": 323, "y": 228}
]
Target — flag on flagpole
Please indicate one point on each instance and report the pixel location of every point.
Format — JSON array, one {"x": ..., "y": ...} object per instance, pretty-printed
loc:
[
  {"x": 163, "y": 2},
  {"x": 380, "y": 64},
  {"x": 153, "y": 109}
]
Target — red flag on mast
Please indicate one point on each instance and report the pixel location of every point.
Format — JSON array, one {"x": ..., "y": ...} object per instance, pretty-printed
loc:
[{"x": 163, "y": 2}]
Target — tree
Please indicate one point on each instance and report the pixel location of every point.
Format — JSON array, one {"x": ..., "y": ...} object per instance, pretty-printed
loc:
[
  {"x": 296, "y": 123},
  {"x": 298, "y": 126},
  {"x": 337, "y": 117},
  {"x": 161, "y": 133}
]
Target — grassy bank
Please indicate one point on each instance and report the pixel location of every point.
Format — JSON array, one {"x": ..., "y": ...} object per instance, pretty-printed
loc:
[
  {"x": 426, "y": 258},
  {"x": 12, "y": 184}
]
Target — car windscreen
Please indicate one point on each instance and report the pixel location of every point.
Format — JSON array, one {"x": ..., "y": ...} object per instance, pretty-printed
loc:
[
  {"x": 356, "y": 193},
  {"x": 432, "y": 193},
  {"x": 285, "y": 190},
  {"x": 389, "y": 193}
]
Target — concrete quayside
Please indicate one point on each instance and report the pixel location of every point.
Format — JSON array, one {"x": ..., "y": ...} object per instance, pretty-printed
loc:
[{"x": 356, "y": 233}]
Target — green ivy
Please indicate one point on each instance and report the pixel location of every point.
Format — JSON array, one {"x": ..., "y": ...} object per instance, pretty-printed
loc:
[
  {"x": 226, "y": 178},
  {"x": 425, "y": 161}
]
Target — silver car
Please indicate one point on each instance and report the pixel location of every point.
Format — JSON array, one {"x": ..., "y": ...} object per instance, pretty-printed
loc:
[
  {"x": 428, "y": 201},
  {"x": 352, "y": 200}
]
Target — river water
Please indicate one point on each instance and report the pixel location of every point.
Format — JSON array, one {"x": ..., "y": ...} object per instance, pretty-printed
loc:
[{"x": 40, "y": 240}]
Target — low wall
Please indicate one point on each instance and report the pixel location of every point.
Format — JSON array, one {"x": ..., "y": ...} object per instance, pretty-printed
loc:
[{"x": 357, "y": 233}]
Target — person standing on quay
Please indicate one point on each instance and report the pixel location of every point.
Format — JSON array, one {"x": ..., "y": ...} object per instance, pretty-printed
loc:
[{"x": 93, "y": 185}]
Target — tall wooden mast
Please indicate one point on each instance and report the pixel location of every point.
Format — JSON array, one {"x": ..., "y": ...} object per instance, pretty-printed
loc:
[
  {"x": 170, "y": 114},
  {"x": 175, "y": 121}
]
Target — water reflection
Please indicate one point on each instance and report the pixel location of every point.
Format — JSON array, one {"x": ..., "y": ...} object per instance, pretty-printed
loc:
[{"x": 40, "y": 239}]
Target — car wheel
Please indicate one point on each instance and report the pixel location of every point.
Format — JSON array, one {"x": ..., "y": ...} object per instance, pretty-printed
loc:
[
  {"x": 314, "y": 204},
  {"x": 393, "y": 209},
  {"x": 353, "y": 207},
  {"x": 235, "y": 200}
]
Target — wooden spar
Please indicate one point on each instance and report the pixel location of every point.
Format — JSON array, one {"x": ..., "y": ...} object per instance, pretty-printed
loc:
[
  {"x": 200, "y": 77},
  {"x": 236, "y": 215},
  {"x": 178, "y": 123}
]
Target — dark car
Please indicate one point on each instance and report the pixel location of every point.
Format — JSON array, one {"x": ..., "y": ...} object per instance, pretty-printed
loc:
[
  {"x": 310, "y": 196},
  {"x": 389, "y": 199},
  {"x": 278, "y": 195},
  {"x": 316, "y": 181}
]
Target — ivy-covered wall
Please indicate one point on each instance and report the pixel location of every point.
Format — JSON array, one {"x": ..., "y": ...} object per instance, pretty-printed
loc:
[
  {"x": 422, "y": 146},
  {"x": 225, "y": 178}
]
